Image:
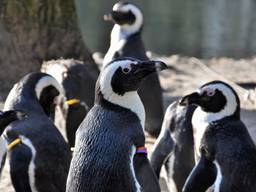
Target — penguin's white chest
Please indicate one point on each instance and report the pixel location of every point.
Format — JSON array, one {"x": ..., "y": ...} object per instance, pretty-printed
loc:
[{"x": 199, "y": 126}]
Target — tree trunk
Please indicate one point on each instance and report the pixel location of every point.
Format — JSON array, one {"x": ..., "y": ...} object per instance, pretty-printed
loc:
[{"x": 32, "y": 31}]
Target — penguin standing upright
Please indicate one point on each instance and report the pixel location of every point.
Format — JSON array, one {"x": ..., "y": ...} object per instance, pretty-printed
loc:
[
  {"x": 38, "y": 154},
  {"x": 107, "y": 139},
  {"x": 175, "y": 146},
  {"x": 78, "y": 82},
  {"x": 6, "y": 118},
  {"x": 126, "y": 42},
  {"x": 227, "y": 154}
]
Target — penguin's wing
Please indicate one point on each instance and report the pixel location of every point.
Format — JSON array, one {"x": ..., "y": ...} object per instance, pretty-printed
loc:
[
  {"x": 201, "y": 177},
  {"x": 145, "y": 173},
  {"x": 20, "y": 157},
  {"x": 164, "y": 143}
]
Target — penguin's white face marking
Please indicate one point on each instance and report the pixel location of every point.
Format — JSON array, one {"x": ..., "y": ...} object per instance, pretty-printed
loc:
[
  {"x": 47, "y": 81},
  {"x": 227, "y": 110},
  {"x": 129, "y": 100},
  {"x": 31, "y": 168},
  {"x": 201, "y": 118},
  {"x": 57, "y": 71},
  {"x": 134, "y": 27}
]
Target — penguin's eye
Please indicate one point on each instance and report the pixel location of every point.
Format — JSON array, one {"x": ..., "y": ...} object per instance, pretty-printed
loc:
[
  {"x": 126, "y": 70},
  {"x": 210, "y": 93}
]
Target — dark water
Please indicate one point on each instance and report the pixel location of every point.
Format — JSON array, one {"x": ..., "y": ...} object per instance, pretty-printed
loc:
[{"x": 202, "y": 28}]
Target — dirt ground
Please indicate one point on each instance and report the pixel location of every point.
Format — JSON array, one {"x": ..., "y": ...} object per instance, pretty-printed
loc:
[{"x": 188, "y": 75}]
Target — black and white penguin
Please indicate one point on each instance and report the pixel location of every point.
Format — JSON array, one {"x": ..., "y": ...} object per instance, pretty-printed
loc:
[
  {"x": 6, "y": 118},
  {"x": 38, "y": 154},
  {"x": 227, "y": 154},
  {"x": 126, "y": 41},
  {"x": 78, "y": 82},
  {"x": 107, "y": 139},
  {"x": 174, "y": 147}
]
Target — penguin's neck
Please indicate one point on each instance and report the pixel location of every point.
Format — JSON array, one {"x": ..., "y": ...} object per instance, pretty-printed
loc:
[
  {"x": 130, "y": 101},
  {"x": 119, "y": 38}
]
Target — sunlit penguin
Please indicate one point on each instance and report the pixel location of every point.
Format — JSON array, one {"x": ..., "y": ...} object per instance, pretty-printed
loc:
[
  {"x": 126, "y": 42},
  {"x": 38, "y": 154},
  {"x": 174, "y": 147},
  {"x": 107, "y": 139},
  {"x": 227, "y": 154},
  {"x": 78, "y": 82}
]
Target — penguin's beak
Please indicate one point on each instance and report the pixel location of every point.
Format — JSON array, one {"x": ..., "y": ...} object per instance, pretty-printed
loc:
[
  {"x": 145, "y": 68},
  {"x": 119, "y": 17},
  {"x": 193, "y": 98}
]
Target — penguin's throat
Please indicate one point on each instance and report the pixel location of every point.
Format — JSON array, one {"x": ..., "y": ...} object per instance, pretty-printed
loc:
[{"x": 131, "y": 101}]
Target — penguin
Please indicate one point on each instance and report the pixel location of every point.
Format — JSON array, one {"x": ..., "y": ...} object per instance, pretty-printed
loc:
[
  {"x": 79, "y": 84},
  {"x": 39, "y": 157},
  {"x": 112, "y": 132},
  {"x": 174, "y": 147},
  {"x": 227, "y": 154},
  {"x": 126, "y": 41},
  {"x": 6, "y": 118}
]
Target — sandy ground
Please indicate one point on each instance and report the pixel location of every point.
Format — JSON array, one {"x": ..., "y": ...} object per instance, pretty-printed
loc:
[{"x": 187, "y": 76}]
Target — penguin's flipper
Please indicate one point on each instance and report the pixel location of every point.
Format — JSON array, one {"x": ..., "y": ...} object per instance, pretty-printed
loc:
[
  {"x": 20, "y": 157},
  {"x": 164, "y": 143},
  {"x": 145, "y": 174},
  {"x": 201, "y": 177}
]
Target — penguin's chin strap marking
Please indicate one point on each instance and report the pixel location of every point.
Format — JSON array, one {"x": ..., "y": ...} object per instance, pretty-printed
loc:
[
  {"x": 142, "y": 149},
  {"x": 13, "y": 144}
]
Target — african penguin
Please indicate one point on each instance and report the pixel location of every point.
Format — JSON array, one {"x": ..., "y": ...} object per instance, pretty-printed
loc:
[
  {"x": 78, "y": 82},
  {"x": 107, "y": 139},
  {"x": 175, "y": 146},
  {"x": 126, "y": 42},
  {"x": 227, "y": 154},
  {"x": 38, "y": 154},
  {"x": 6, "y": 118}
]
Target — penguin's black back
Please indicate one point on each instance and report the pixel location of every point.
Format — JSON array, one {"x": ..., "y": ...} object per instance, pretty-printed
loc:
[
  {"x": 229, "y": 143},
  {"x": 101, "y": 160},
  {"x": 181, "y": 162},
  {"x": 52, "y": 153}
]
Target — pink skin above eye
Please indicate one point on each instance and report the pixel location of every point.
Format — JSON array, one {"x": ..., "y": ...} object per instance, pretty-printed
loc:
[
  {"x": 126, "y": 69},
  {"x": 209, "y": 91}
]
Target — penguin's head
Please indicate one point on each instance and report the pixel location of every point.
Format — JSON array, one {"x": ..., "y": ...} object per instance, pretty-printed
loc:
[
  {"x": 127, "y": 16},
  {"x": 216, "y": 98},
  {"x": 123, "y": 76},
  {"x": 120, "y": 79},
  {"x": 7, "y": 117},
  {"x": 33, "y": 89}
]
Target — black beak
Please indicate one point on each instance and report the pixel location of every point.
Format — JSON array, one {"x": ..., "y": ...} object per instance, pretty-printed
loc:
[
  {"x": 145, "y": 68},
  {"x": 193, "y": 98}
]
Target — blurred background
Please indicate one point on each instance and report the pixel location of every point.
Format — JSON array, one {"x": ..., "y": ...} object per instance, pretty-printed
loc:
[
  {"x": 32, "y": 31},
  {"x": 201, "y": 28}
]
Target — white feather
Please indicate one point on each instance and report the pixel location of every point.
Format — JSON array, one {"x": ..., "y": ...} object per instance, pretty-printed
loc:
[
  {"x": 3, "y": 145},
  {"x": 137, "y": 185},
  {"x": 120, "y": 33},
  {"x": 218, "y": 179},
  {"x": 202, "y": 119},
  {"x": 45, "y": 82},
  {"x": 130, "y": 100},
  {"x": 31, "y": 168}
]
